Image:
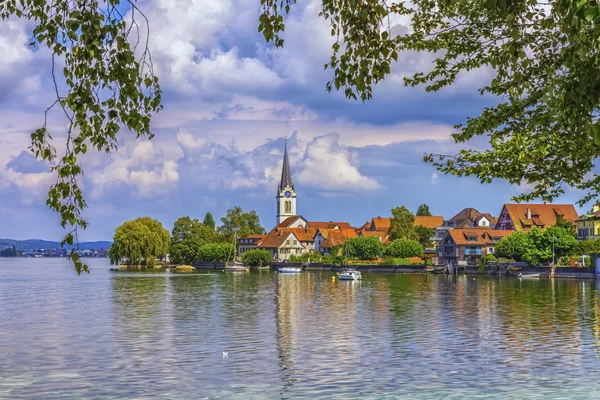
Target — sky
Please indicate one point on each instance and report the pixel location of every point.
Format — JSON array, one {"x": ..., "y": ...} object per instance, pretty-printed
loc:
[{"x": 229, "y": 101}]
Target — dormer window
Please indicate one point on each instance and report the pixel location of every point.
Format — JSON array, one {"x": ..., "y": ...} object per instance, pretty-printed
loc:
[{"x": 472, "y": 238}]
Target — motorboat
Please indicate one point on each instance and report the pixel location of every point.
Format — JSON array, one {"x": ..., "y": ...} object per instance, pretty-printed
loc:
[
  {"x": 533, "y": 275},
  {"x": 289, "y": 270},
  {"x": 350, "y": 275}
]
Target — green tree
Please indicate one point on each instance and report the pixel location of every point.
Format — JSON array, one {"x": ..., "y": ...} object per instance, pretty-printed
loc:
[
  {"x": 187, "y": 236},
  {"x": 241, "y": 223},
  {"x": 257, "y": 258},
  {"x": 104, "y": 80},
  {"x": 403, "y": 248},
  {"x": 587, "y": 246},
  {"x": 561, "y": 222},
  {"x": 424, "y": 236},
  {"x": 543, "y": 58},
  {"x": 139, "y": 241},
  {"x": 209, "y": 221},
  {"x": 9, "y": 252},
  {"x": 363, "y": 248},
  {"x": 513, "y": 246},
  {"x": 402, "y": 224},
  {"x": 423, "y": 211},
  {"x": 216, "y": 252}
]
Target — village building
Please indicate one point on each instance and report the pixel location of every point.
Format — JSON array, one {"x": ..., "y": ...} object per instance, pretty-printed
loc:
[
  {"x": 432, "y": 222},
  {"x": 326, "y": 238},
  {"x": 249, "y": 243},
  {"x": 469, "y": 244},
  {"x": 588, "y": 225},
  {"x": 523, "y": 217}
]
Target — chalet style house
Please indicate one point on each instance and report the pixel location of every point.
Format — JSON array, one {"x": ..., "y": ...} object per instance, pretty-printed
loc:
[
  {"x": 523, "y": 217},
  {"x": 469, "y": 244}
]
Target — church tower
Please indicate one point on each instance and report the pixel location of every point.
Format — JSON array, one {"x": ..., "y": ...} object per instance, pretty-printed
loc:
[{"x": 286, "y": 194}]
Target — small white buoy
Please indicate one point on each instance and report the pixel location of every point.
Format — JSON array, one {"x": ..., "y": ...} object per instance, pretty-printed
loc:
[{"x": 225, "y": 354}]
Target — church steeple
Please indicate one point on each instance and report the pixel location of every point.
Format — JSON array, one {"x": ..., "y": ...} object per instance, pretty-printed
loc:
[
  {"x": 286, "y": 193},
  {"x": 286, "y": 175}
]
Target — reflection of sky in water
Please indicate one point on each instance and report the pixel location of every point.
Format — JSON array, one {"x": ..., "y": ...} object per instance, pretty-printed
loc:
[{"x": 292, "y": 336}]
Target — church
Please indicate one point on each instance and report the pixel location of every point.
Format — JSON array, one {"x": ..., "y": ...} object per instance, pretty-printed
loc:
[{"x": 293, "y": 234}]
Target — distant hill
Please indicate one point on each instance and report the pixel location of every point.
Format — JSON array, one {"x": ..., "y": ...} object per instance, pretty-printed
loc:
[{"x": 35, "y": 244}]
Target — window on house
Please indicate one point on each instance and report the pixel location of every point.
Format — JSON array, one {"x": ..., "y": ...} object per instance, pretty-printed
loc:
[
  {"x": 295, "y": 242},
  {"x": 483, "y": 223},
  {"x": 287, "y": 242},
  {"x": 472, "y": 238},
  {"x": 298, "y": 251},
  {"x": 491, "y": 250}
]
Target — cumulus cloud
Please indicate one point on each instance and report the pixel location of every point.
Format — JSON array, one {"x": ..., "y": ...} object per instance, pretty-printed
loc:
[
  {"x": 138, "y": 167},
  {"x": 329, "y": 166},
  {"x": 434, "y": 179}
]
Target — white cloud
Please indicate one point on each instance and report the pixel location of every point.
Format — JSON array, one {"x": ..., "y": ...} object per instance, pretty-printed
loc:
[
  {"x": 434, "y": 179},
  {"x": 329, "y": 166},
  {"x": 138, "y": 166}
]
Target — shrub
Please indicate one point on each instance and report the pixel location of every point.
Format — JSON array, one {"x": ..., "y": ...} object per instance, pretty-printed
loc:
[
  {"x": 403, "y": 248},
  {"x": 257, "y": 257},
  {"x": 484, "y": 262}
]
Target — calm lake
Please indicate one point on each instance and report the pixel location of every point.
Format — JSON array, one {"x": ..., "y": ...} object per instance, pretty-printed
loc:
[{"x": 163, "y": 335}]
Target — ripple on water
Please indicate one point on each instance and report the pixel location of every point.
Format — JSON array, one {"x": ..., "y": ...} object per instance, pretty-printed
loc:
[{"x": 159, "y": 335}]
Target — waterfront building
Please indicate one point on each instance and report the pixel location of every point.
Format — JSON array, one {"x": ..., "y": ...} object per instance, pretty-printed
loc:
[
  {"x": 469, "y": 244},
  {"x": 249, "y": 243},
  {"x": 588, "y": 225},
  {"x": 431, "y": 222},
  {"x": 523, "y": 217}
]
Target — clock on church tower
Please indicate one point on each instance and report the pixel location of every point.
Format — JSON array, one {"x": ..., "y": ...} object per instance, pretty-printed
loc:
[{"x": 286, "y": 193}]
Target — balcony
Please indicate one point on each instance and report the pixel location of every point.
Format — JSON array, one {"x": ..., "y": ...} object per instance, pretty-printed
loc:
[{"x": 473, "y": 252}]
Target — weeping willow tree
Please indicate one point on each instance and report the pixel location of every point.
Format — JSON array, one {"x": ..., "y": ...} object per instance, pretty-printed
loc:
[{"x": 139, "y": 242}]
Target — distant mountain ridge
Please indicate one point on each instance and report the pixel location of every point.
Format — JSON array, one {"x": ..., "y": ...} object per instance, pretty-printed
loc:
[{"x": 36, "y": 244}]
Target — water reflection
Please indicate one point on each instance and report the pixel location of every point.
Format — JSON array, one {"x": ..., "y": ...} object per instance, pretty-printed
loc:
[{"x": 295, "y": 336}]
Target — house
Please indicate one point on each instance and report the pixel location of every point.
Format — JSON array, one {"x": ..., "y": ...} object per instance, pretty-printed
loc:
[
  {"x": 588, "y": 225},
  {"x": 321, "y": 243},
  {"x": 470, "y": 218},
  {"x": 380, "y": 224},
  {"x": 281, "y": 244},
  {"x": 469, "y": 244},
  {"x": 249, "y": 243},
  {"x": 431, "y": 222},
  {"x": 523, "y": 217},
  {"x": 296, "y": 221}
]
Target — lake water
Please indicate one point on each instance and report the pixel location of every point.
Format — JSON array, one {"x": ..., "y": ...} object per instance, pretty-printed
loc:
[{"x": 162, "y": 335}]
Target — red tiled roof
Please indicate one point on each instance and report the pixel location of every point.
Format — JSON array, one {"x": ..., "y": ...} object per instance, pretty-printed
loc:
[
  {"x": 329, "y": 225},
  {"x": 335, "y": 238},
  {"x": 430, "y": 222},
  {"x": 254, "y": 237},
  {"x": 542, "y": 215},
  {"x": 275, "y": 240},
  {"x": 482, "y": 236},
  {"x": 381, "y": 224}
]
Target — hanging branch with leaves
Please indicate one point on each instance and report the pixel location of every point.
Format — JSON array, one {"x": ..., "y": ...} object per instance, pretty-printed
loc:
[{"x": 107, "y": 83}]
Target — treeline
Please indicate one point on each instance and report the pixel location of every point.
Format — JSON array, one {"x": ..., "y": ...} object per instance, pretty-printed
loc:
[{"x": 144, "y": 240}]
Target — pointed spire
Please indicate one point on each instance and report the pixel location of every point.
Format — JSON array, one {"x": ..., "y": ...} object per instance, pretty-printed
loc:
[{"x": 286, "y": 175}]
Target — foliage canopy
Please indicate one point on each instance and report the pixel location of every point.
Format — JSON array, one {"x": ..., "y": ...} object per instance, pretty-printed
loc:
[
  {"x": 544, "y": 66},
  {"x": 241, "y": 223},
  {"x": 363, "y": 248},
  {"x": 402, "y": 224},
  {"x": 139, "y": 241},
  {"x": 403, "y": 248},
  {"x": 187, "y": 236}
]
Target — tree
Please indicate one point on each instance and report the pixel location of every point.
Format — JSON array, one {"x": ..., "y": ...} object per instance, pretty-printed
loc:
[
  {"x": 241, "y": 223},
  {"x": 545, "y": 78},
  {"x": 139, "y": 241},
  {"x": 9, "y": 252},
  {"x": 561, "y": 222},
  {"x": 403, "y": 248},
  {"x": 424, "y": 236},
  {"x": 513, "y": 246},
  {"x": 104, "y": 80},
  {"x": 363, "y": 248},
  {"x": 423, "y": 211},
  {"x": 216, "y": 252},
  {"x": 209, "y": 221},
  {"x": 187, "y": 236},
  {"x": 402, "y": 224},
  {"x": 257, "y": 258}
]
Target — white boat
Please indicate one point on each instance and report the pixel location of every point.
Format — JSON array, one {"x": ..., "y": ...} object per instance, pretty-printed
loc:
[
  {"x": 535, "y": 275},
  {"x": 236, "y": 267},
  {"x": 289, "y": 270},
  {"x": 350, "y": 275}
]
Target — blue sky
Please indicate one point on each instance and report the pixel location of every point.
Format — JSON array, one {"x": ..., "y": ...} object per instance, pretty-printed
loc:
[{"x": 229, "y": 101}]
